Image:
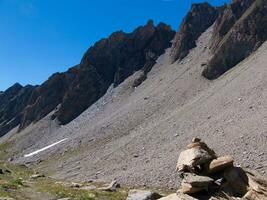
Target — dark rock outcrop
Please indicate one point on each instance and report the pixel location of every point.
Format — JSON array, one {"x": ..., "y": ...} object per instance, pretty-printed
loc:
[
  {"x": 243, "y": 38},
  {"x": 227, "y": 18},
  {"x": 12, "y": 103},
  {"x": 110, "y": 60},
  {"x": 47, "y": 96},
  {"x": 200, "y": 17}
]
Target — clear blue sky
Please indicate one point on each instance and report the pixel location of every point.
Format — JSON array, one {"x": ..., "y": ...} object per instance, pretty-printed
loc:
[{"x": 40, "y": 37}]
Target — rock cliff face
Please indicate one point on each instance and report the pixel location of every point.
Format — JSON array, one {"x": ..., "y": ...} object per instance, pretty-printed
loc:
[
  {"x": 110, "y": 60},
  {"x": 47, "y": 96},
  {"x": 239, "y": 29},
  {"x": 246, "y": 34},
  {"x": 228, "y": 16},
  {"x": 12, "y": 103},
  {"x": 200, "y": 17}
]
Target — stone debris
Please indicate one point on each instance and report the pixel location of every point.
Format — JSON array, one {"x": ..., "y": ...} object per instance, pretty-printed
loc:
[
  {"x": 142, "y": 195},
  {"x": 206, "y": 176},
  {"x": 111, "y": 187},
  {"x": 75, "y": 185},
  {"x": 37, "y": 175}
]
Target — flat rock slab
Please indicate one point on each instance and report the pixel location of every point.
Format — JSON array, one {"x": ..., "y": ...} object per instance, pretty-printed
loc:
[
  {"x": 220, "y": 164},
  {"x": 196, "y": 180},
  {"x": 142, "y": 195}
]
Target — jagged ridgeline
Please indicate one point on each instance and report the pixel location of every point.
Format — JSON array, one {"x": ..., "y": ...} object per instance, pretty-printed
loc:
[
  {"x": 109, "y": 61},
  {"x": 239, "y": 29}
]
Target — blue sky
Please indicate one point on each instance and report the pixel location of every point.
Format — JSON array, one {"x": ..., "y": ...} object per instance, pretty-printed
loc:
[{"x": 40, "y": 37}]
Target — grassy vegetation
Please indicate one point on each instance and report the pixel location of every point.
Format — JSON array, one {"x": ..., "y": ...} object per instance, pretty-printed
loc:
[
  {"x": 16, "y": 183},
  {"x": 4, "y": 150}
]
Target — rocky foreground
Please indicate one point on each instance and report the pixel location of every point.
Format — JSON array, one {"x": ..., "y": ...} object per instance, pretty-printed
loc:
[
  {"x": 205, "y": 175},
  {"x": 208, "y": 176}
]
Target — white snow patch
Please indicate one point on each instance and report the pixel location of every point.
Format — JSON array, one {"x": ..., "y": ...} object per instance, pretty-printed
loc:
[{"x": 45, "y": 148}]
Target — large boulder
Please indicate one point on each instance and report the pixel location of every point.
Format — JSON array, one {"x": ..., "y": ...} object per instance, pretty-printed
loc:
[{"x": 198, "y": 154}]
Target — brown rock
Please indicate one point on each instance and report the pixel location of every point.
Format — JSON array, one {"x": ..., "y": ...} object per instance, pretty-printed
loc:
[
  {"x": 191, "y": 158},
  {"x": 220, "y": 164},
  {"x": 178, "y": 196},
  {"x": 187, "y": 188}
]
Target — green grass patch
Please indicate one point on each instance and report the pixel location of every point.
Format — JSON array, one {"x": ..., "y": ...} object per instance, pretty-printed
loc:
[{"x": 62, "y": 191}]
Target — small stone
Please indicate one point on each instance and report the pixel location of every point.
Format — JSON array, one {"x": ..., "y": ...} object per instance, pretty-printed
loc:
[
  {"x": 37, "y": 175},
  {"x": 75, "y": 185},
  {"x": 220, "y": 164},
  {"x": 196, "y": 140}
]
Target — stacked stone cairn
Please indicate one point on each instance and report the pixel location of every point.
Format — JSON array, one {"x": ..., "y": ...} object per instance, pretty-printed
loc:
[{"x": 208, "y": 176}]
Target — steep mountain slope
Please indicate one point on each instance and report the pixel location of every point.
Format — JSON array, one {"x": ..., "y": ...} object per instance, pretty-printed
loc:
[
  {"x": 110, "y": 60},
  {"x": 245, "y": 35},
  {"x": 199, "y": 18},
  {"x": 135, "y": 131},
  {"x": 135, "y": 135}
]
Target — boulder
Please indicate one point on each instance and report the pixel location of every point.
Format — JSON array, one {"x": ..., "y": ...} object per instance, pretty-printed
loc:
[
  {"x": 178, "y": 196},
  {"x": 220, "y": 164},
  {"x": 75, "y": 185},
  {"x": 142, "y": 195},
  {"x": 191, "y": 158},
  {"x": 111, "y": 187},
  {"x": 237, "y": 181},
  {"x": 37, "y": 175}
]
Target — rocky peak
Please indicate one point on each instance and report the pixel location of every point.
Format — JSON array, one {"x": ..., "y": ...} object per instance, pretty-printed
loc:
[
  {"x": 199, "y": 18},
  {"x": 112, "y": 60},
  {"x": 239, "y": 31},
  {"x": 227, "y": 18},
  {"x": 12, "y": 103}
]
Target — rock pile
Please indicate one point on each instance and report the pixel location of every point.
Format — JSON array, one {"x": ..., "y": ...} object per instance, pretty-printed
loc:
[{"x": 207, "y": 176}]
